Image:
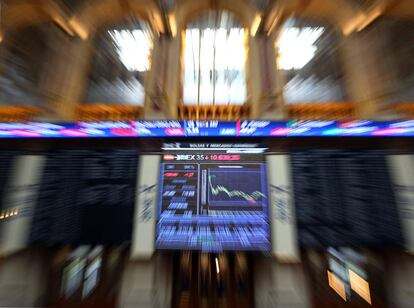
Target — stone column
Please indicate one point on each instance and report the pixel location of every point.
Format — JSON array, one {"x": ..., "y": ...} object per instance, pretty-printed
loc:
[
  {"x": 369, "y": 76},
  {"x": 67, "y": 75},
  {"x": 174, "y": 76},
  {"x": 155, "y": 83},
  {"x": 253, "y": 76},
  {"x": 147, "y": 283},
  {"x": 280, "y": 285},
  {"x": 23, "y": 279},
  {"x": 400, "y": 280},
  {"x": 272, "y": 81}
]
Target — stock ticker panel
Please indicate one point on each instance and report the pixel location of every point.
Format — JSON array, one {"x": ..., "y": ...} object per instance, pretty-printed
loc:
[{"x": 213, "y": 202}]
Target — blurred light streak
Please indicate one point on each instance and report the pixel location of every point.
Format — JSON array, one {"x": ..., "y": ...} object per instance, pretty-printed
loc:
[
  {"x": 353, "y": 24},
  {"x": 360, "y": 286},
  {"x": 173, "y": 24},
  {"x": 364, "y": 19},
  {"x": 255, "y": 25},
  {"x": 79, "y": 29},
  {"x": 373, "y": 15},
  {"x": 337, "y": 285},
  {"x": 275, "y": 22},
  {"x": 62, "y": 24},
  {"x": 158, "y": 23},
  {"x": 9, "y": 213}
]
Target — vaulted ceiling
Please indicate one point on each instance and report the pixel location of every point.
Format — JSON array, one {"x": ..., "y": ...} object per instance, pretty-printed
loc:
[{"x": 86, "y": 15}]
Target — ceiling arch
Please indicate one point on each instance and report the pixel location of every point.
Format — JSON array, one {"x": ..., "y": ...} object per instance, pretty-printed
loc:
[
  {"x": 23, "y": 13},
  {"x": 185, "y": 10},
  {"x": 96, "y": 13}
]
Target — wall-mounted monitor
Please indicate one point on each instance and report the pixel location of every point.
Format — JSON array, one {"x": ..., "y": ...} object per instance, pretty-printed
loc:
[{"x": 213, "y": 200}]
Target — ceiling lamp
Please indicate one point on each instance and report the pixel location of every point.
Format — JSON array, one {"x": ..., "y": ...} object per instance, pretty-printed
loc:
[
  {"x": 365, "y": 17},
  {"x": 173, "y": 24},
  {"x": 255, "y": 24},
  {"x": 158, "y": 23},
  {"x": 63, "y": 25},
  {"x": 78, "y": 28}
]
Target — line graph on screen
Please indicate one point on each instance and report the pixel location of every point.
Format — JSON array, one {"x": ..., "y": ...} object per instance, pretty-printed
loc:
[{"x": 243, "y": 187}]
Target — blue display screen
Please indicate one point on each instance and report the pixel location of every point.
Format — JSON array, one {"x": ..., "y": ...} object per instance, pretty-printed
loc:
[
  {"x": 213, "y": 201},
  {"x": 172, "y": 128}
]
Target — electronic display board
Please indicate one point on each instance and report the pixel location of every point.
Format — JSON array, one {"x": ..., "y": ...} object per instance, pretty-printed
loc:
[
  {"x": 344, "y": 198},
  {"x": 213, "y": 201},
  {"x": 213, "y": 128}
]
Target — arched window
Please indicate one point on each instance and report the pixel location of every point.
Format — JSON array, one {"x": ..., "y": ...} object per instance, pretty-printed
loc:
[
  {"x": 310, "y": 63},
  {"x": 121, "y": 58},
  {"x": 214, "y": 60}
]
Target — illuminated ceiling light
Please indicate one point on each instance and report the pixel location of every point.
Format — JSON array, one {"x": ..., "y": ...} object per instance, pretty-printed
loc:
[
  {"x": 63, "y": 25},
  {"x": 353, "y": 24},
  {"x": 374, "y": 14},
  {"x": 296, "y": 46},
  {"x": 173, "y": 24},
  {"x": 217, "y": 266},
  {"x": 365, "y": 18},
  {"x": 150, "y": 40},
  {"x": 273, "y": 25},
  {"x": 133, "y": 48},
  {"x": 158, "y": 23},
  {"x": 78, "y": 28},
  {"x": 255, "y": 25}
]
